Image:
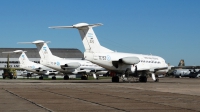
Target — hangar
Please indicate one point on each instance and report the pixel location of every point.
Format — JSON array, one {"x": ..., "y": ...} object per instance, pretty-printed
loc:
[{"x": 33, "y": 55}]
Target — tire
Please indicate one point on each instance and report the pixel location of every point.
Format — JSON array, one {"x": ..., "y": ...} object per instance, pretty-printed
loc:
[
  {"x": 11, "y": 77},
  {"x": 41, "y": 78},
  {"x": 115, "y": 79},
  {"x": 53, "y": 78},
  {"x": 28, "y": 75},
  {"x": 84, "y": 78},
  {"x": 145, "y": 79},
  {"x": 157, "y": 80},
  {"x": 142, "y": 79},
  {"x": 66, "y": 77}
]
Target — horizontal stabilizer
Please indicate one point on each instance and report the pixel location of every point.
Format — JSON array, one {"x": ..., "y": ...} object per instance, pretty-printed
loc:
[
  {"x": 79, "y": 25},
  {"x": 34, "y": 42},
  {"x": 16, "y": 51}
]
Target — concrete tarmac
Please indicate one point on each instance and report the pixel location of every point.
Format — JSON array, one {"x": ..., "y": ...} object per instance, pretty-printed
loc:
[{"x": 170, "y": 94}]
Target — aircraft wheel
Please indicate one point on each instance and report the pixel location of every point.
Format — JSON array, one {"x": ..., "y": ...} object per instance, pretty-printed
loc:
[
  {"x": 115, "y": 79},
  {"x": 157, "y": 80},
  {"x": 28, "y": 75},
  {"x": 84, "y": 77},
  {"x": 142, "y": 79},
  {"x": 41, "y": 78},
  {"x": 11, "y": 77},
  {"x": 66, "y": 77},
  {"x": 53, "y": 78}
]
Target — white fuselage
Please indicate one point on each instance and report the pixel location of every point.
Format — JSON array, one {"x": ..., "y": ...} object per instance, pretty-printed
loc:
[
  {"x": 147, "y": 62},
  {"x": 85, "y": 66},
  {"x": 32, "y": 67},
  {"x": 184, "y": 72},
  {"x": 181, "y": 72}
]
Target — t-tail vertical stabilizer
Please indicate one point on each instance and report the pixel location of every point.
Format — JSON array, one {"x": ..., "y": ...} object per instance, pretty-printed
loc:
[
  {"x": 44, "y": 51},
  {"x": 23, "y": 59},
  {"x": 88, "y": 36}
]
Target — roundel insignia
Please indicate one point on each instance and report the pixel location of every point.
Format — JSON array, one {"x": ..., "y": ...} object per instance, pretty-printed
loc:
[
  {"x": 33, "y": 67},
  {"x": 58, "y": 63},
  {"x": 108, "y": 58}
]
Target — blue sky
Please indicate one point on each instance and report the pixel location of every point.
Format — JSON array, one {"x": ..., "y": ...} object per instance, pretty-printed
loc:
[{"x": 167, "y": 28}]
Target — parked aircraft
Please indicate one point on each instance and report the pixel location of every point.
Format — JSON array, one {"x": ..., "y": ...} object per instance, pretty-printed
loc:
[
  {"x": 32, "y": 67},
  {"x": 66, "y": 66},
  {"x": 178, "y": 73},
  {"x": 186, "y": 71},
  {"x": 117, "y": 63}
]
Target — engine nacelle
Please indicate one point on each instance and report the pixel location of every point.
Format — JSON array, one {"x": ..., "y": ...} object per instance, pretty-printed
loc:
[
  {"x": 50, "y": 72},
  {"x": 130, "y": 60},
  {"x": 71, "y": 65}
]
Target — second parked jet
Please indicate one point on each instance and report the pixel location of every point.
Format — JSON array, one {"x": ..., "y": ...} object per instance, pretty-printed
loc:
[{"x": 66, "y": 66}]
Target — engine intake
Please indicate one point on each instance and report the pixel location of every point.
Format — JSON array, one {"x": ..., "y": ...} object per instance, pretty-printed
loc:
[
  {"x": 130, "y": 60},
  {"x": 71, "y": 65}
]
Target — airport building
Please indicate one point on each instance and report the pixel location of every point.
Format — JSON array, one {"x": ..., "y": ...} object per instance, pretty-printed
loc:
[{"x": 33, "y": 55}]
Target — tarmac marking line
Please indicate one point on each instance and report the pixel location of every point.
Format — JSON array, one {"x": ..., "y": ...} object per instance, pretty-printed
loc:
[
  {"x": 134, "y": 99},
  {"x": 28, "y": 100},
  {"x": 84, "y": 100}
]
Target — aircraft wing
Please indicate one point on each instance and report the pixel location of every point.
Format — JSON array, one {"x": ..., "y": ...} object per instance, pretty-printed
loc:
[
  {"x": 153, "y": 69},
  {"x": 186, "y": 67},
  {"x": 163, "y": 68}
]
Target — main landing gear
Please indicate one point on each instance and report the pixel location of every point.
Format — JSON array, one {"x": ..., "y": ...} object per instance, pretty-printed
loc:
[
  {"x": 95, "y": 76},
  {"x": 66, "y": 77},
  {"x": 143, "y": 79},
  {"x": 41, "y": 77},
  {"x": 154, "y": 77},
  {"x": 54, "y": 78},
  {"x": 84, "y": 77},
  {"x": 115, "y": 79},
  {"x": 138, "y": 77}
]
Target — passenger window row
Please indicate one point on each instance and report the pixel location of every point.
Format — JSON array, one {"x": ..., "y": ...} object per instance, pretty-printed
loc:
[{"x": 143, "y": 61}]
